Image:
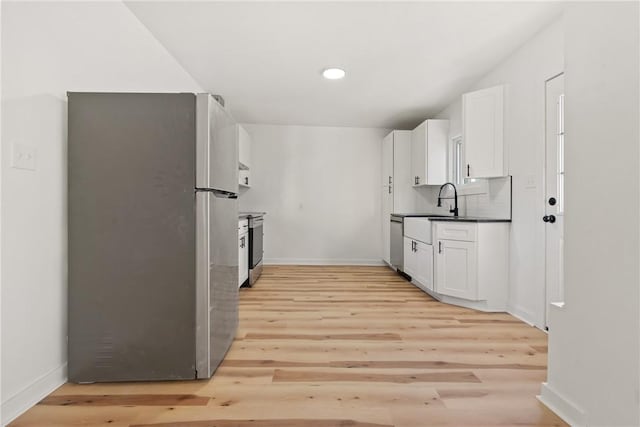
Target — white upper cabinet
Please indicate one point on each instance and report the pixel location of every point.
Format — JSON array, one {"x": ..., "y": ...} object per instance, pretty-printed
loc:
[
  {"x": 387, "y": 161},
  {"x": 429, "y": 153},
  {"x": 244, "y": 157},
  {"x": 244, "y": 148},
  {"x": 482, "y": 131}
]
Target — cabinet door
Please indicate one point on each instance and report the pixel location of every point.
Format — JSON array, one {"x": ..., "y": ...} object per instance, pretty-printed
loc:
[
  {"x": 482, "y": 130},
  {"x": 244, "y": 147},
  {"x": 424, "y": 267},
  {"x": 418, "y": 154},
  {"x": 456, "y": 273},
  {"x": 403, "y": 192},
  {"x": 387, "y": 195},
  {"x": 437, "y": 145},
  {"x": 387, "y": 205},
  {"x": 387, "y": 160},
  {"x": 409, "y": 257},
  {"x": 243, "y": 258}
]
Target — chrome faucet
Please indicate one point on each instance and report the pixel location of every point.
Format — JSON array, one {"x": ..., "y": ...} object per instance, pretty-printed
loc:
[{"x": 454, "y": 211}]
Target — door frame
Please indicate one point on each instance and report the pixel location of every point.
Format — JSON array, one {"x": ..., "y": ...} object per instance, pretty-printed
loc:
[{"x": 547, "y": 302}]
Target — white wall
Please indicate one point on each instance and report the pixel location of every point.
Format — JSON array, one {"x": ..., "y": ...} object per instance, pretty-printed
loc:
[
  {"x": 594, "y": 339},
  {"x": 48, "y": 49},
  {"x": 524, "y": 74},
  {"x": 321, "y": 189}
]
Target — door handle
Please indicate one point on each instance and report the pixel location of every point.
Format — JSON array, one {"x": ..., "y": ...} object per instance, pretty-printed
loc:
[
  {"x": 552, "y": 201},
  {"x": 439, "y": 247},
  {"x": 468, "y": 168},
  {"x": 549, "y": 218}
]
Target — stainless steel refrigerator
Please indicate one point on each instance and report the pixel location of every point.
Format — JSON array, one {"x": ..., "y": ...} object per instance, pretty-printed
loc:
[{"x": 153, "y": 215}]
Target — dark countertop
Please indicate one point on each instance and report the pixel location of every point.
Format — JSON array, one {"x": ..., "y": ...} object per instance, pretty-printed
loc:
[
  {"x": 468, "y": 219},
  {"x": 436, "y": 217},
  {"x": 405, "y": 215},
  {"x": 251, "y": 214}
]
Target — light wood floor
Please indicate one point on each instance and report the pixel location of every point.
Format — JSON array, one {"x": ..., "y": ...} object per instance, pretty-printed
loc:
[{"x": 337, "y": 346}]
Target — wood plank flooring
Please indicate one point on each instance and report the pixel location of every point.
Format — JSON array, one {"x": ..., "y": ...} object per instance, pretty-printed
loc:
[{"x": 337, "y": 346}]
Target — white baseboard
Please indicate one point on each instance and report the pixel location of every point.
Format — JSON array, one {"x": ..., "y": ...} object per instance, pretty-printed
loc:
[
  {"x": 17, "y": 404},
  {"x": 524, "y": 315},
  {"x": 322, "y": 261},
  {"x": 563, "y": 407}
]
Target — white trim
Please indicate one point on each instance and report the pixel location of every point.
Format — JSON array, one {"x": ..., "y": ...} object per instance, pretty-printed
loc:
[
  {"x": 16, "y": 405},
  {"x": 323, "y": 261},
  {"x": 525, "y": 315},
  {"x": 563, "y": 407}
]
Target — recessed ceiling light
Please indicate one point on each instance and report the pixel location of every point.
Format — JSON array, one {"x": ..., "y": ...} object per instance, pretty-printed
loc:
[{"x": 333, "y": 73}]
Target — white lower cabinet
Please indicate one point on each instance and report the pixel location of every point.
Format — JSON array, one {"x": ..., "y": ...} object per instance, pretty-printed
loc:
[
  {"x": 472, "y": 263},
  {"x": 456, "y": 269},
  {"x": 410, "y": 262},
  {"x": 243, "y": 251},
  {"x": 418, "y": 262}
]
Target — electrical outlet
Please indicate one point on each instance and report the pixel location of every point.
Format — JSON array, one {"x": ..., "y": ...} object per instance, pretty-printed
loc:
[{"x": 23, "y": 156}]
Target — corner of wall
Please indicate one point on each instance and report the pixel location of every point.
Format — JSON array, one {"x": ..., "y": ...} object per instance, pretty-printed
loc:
[
  {"x": 563, "y": 407},
  {"x": 34, "y": 392}
]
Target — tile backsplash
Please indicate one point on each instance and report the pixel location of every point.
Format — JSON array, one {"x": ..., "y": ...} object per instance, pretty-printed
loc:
[{"x": 493, "y": 201}]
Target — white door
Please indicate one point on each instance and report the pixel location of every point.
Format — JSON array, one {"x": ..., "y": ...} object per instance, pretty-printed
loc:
[
  {"x": 387, "y": 196},
  {"x": 554, "y": 192},
  {"x": 424, "y": 268},
  {"x": 456, "y": 269}
]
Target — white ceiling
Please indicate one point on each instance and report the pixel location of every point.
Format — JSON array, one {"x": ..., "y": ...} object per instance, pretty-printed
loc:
[{"x": 404, "y": 61}]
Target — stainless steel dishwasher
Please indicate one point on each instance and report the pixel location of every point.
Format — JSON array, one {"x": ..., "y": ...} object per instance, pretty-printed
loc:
[{"x": 397, "y": 233}]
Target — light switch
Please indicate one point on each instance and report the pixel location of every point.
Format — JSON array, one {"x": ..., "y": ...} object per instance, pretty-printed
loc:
[{"x": 23, "y": 156}]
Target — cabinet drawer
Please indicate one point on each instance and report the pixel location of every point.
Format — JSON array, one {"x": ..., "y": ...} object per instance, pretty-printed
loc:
[
  {"x": 449, "y": 230},
  {"x": 418, "y": 229}
]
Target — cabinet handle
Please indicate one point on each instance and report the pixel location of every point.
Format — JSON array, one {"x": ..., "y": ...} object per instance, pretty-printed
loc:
[
  {"x": 439, "y": 247},
  {"x": 246, "y": 180},
  {"x": 417, "y": 180},
  {"x": 389, "y": 180},
  {"x": 389, "y": 189},
  {"x": 468, "y": 167}
]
